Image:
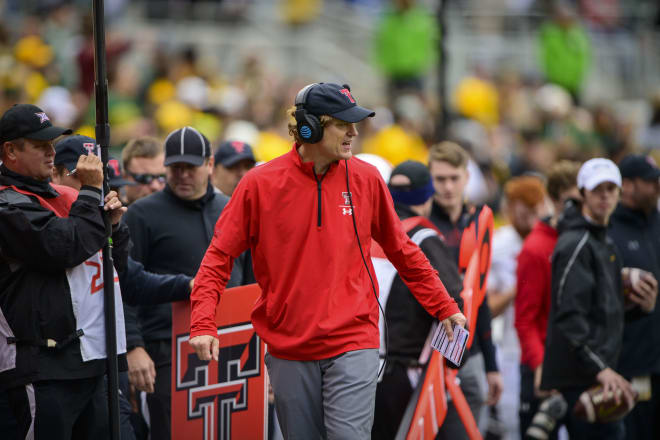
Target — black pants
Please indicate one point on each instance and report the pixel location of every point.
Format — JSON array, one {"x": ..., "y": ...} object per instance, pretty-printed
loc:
[
  {"x": 61, "y": 409},
  {"x": 159, "y": 402},
  {"x": 392, "y": 396},
  {"x": 529, "y": 403},
  {"x": 125, "y": 426},
  {"x": 7, "y": 419},
  {"x": 643, "y": 422}
]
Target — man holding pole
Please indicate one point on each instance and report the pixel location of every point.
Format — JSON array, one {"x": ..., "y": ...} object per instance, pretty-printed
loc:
[{"x": 52, "y": 326}]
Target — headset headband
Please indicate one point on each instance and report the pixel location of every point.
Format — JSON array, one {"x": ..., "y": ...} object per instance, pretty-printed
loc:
[{"x": 301, "y": 97}]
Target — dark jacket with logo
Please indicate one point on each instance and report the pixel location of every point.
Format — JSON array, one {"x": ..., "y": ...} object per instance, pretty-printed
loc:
[
  {"x": 36, "y": 249},
  {"x": 409, "y": 323},
  {"x": 585, "y": 326},
  {"x": 170, "y": 236},
  {"x": 483, "y": 341},
  {"x": 637, "y": 236}
]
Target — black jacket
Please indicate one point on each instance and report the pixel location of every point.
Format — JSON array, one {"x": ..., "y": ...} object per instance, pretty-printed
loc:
[
  {"x": 170, "y": 236},
  {"x": 637, "y": 236},
  {"x": 36, "y": 249},
  {"x": 408, "y": 322},
  {"x": 140, "y": 287},
  {"x": 586, "y": 319},
  {"x": 483, "y": 341}
]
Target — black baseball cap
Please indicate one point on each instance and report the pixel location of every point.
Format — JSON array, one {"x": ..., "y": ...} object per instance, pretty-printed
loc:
[
  {"x": 638, "y": 165},
  {"x": 186, "y": 145},
  {"x": 28, "y": 121},
  {"x": 332, "y": 100},
  {"x": 69, "y": 149},
  {"x": 420, "y": 188},
  {"x": 229, "y": 153}
]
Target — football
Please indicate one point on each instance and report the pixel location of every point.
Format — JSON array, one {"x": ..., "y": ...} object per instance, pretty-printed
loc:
[
  {"x": 631, "y": 277},
  {"x": 594, "y": 406}
]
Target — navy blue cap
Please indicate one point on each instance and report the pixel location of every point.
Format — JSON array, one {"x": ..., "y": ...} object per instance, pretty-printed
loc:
[
  {"x": 229, "y": 153},
  {"x": 186, "y": 145},
  {"x": 115, "y": 179},
  {"x": 638, "y": 165},
  {"x": 69, "y": 149},
  {"x": 28, "y": 121},
  {"x": 420, "y": 188},
  {"x": 332, "y": 100}
]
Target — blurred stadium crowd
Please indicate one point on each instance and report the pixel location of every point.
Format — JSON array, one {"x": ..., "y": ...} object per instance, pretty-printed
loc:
[
  {"x": 514, "y": 118},
  {"x": 513, "y": 121}
]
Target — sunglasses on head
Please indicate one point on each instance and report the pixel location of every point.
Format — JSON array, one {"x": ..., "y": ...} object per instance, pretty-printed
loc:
[{"x": 146, "y": 179}]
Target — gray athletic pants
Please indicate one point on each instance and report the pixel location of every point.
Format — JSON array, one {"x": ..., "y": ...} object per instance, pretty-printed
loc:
[{"x": 329, "y": 399}]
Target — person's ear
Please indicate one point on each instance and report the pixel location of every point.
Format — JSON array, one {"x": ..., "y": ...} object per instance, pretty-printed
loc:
[
  {"x": 9, "y": 151},
  {"x": 211, "y": 160}
]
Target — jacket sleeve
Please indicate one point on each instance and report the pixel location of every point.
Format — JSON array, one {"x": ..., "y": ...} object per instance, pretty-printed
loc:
[
  {"x": 139, "y": 231},
  {"x": 532, "y": 282},
  {"x": 573, "y": 287},
  {"x": 133, "y": 329},
  {"x": 35, "y": 236},
  {"x": 483, "y": 332},
  {"x": 121, "y": 242},
  {"x": 442, "y": 261},
  {"x": 230, "y": 239},
  {"x": 139, "y": 286},
  {"x": 413, "y": 267}
]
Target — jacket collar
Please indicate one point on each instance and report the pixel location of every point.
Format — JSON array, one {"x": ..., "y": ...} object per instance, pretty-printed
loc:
[
  {"x": 463, "y": 221},
  {"x": 193, "y": 204},
  {"x": 543, "y": 226},
  {"x": 404, "y": 211},
  {"x": 38, "y": 187},
  {"x": 308, "y": 167},
  {"x": 572, "y": 218},
  {"x": 633, "y": 216}
]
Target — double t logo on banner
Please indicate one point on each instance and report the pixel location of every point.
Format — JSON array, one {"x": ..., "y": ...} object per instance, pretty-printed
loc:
[{"x": 225, "y": 399}]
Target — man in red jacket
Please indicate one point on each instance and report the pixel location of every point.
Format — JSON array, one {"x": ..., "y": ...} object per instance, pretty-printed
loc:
[
  {"x": 532, "y": 301},
  {"x": 309, "y": 217}
]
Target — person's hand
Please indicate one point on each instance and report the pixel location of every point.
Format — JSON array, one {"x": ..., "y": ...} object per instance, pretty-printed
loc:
[
  {"x": 141, "y": 370},
  {"x": 644, "y": 290},
  {"x": 89, "y": 170},
  {"x": 207, "y": 347},
  {"x": 114, "y": 205},
  {"x": 614, "y": 384},
  {"x": 538, "y": 392},
  {"x": 495, "y": 387},
  {"x": 192, "y": 284},
  {"x": 448, "y": 323}
]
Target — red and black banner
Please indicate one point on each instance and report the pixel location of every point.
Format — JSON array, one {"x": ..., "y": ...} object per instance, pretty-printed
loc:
[{"x": 226, "y": 399}]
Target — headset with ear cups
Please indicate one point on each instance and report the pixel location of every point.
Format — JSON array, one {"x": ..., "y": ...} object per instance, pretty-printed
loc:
[{"x": 308, "y": 125}]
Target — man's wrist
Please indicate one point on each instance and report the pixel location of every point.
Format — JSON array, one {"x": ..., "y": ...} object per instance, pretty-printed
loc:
[{"x": 90, "y": 192}]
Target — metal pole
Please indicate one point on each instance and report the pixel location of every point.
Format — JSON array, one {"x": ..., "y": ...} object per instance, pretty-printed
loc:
[
  {"x": 103, "y": 139},
  {"x": 443, "y": 117}
]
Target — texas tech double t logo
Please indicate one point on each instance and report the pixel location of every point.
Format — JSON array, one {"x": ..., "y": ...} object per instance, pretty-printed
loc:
[{"x": 218, "y": 392}]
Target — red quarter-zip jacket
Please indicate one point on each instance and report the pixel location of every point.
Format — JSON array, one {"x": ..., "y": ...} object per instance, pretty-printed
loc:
[{"x": 317, "y": 299}]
